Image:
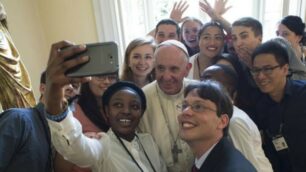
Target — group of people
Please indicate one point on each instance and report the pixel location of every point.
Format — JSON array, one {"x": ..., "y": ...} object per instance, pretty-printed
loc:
[{"x": 193, "y": 97}]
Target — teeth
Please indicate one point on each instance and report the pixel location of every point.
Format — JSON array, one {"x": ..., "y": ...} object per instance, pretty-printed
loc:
[
  {"x": 142, "y": 68},
  {"x": 211, "y": 48},
  {"x": 125, "y": 121},
  {"x": 187, "y": 125}
]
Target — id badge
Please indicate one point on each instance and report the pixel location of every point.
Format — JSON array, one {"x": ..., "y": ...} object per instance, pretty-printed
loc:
[{"x": 279, "y": 143}]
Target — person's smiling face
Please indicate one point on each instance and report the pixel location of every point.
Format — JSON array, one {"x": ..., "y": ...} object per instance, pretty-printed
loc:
[{"x": 124, "y": 112}]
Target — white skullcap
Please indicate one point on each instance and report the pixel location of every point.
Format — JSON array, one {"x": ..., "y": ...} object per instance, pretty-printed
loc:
[{"x": 176, "y": 43}]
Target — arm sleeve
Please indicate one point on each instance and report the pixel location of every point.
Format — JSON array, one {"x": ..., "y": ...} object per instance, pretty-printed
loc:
[
  {"x": 13, "y": 133},
  {"x": 69, "y": 141},
  {"x": 241, "y": 136}
]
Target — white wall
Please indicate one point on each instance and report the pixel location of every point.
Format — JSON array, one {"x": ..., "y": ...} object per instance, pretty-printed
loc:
[{"x": 36, "y": 24}]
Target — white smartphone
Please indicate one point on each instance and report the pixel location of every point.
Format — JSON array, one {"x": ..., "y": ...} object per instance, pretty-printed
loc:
[{"x": 103, "y": 59}]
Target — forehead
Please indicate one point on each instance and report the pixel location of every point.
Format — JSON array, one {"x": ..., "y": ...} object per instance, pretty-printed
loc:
[
  {"x": 125, "y": 94},
  {"x": 212, "y": 30},
  {"x": 144, "y": 47},
  {"x": 166, "y": 28},
  {"x": 283, "y": 28},
  {"x": 236, "y": 30},
  {"x": 169, "y": 54},
  {"x": 264, "y": 60},
  {"x": 190, "y": 24}
]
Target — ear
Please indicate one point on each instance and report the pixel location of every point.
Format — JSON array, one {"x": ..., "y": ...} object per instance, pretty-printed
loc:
[
  {"x": 42, "y": 88},
  {"x": 299, "y": 38},
  {"x": 224, "y": 121},
  {"x": 286, "y": 69},
  {"x": 188, "y": 67}
]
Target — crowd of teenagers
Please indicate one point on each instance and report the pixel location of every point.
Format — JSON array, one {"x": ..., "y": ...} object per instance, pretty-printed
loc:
[{"x": 192, "y": 96}]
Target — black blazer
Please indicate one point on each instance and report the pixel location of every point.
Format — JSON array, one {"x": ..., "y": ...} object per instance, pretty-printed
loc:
[{"x": 224, "y": 157}]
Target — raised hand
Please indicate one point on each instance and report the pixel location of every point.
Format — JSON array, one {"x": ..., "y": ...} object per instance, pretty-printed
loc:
[
  {"x": 216, "y": 12},
  {"x": 56, "y": 78},
  {"x": 220, "y": 7},
  {"x": 178, "y": 11}
]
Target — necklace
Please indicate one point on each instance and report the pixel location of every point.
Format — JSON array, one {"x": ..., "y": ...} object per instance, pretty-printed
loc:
[
  {"x": 174, "y": 150},
  {"x": 132, "y": 157}
]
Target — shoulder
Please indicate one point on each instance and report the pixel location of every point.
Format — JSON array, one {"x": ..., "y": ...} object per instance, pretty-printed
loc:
[
  {"x": 239, "y": 116},
  {"x": 188, "y": 81},
  {"x": 193, "y": 58},
  {"x": 297, "y": 87},
  {"x": 150, "y": 88},
  {"x": 17, "y": 114},
  {"x": 233, "y": 157},
  {"x": 16, "y": 121}
]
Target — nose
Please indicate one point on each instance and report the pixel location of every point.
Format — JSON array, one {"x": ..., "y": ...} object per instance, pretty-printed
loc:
[
  {"x": 259, "y": 76},
  {"x": 107, "y": 80},
  {"x": 142, "y": 60},
  {"x": 187, "y": 111},
  {"x": 237, "y": 43},
  {"x": 125, "y": 110}
]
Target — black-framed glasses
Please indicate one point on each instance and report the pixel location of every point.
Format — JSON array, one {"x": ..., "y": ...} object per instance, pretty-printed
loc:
[
  {"x": 196, "y": 107},
  {"x": 265, "y": 70}
]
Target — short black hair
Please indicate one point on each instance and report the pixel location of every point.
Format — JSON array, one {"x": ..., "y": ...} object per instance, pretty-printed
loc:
[
  {"x": 168, "y": 22},
  {"x": 229, "y": 77},
  {"x": 250, "y": 22},
  {"x": 273, "y": 48},
  {"x": 120, "y": 85},
  {"x": 215, "y": 92}
]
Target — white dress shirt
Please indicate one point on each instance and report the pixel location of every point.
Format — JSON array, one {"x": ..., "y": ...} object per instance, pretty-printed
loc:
[{"x": 106, "y": 154}]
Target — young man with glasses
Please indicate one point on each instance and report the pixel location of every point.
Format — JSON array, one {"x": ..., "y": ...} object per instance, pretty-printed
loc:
[
  {"x": 203, "y": 124},
  {"x": 281, "y": 112}
]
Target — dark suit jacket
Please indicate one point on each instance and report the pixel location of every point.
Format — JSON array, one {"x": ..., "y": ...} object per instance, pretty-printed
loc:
[{"x": 225, "y": 158}]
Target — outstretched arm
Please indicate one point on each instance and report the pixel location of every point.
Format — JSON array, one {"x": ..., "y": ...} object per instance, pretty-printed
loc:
[
  {"x": 67, "y": 134},
  {"x": 217, "y": 12}
]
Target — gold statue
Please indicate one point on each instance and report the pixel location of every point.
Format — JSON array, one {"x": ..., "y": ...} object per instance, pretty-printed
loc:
[{"x": 15, "y": 86}]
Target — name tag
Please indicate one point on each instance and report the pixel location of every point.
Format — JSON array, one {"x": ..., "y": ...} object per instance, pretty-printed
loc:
[{"x": 279, "y": 143}]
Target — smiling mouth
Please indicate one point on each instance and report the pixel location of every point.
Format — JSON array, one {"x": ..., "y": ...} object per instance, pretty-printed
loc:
[
  {"x": 187, "y": 125},
  {"x": 141, "y": 68},
  {"x": 125, "y": 121}
]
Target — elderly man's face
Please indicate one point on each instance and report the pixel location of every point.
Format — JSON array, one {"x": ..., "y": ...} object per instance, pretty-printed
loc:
[{"x": 171, "y": 67}]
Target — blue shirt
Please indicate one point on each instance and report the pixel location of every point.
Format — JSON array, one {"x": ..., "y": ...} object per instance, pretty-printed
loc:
[
  {"x": 286, "y": 118},
  {"x": 24, "y": 140}
]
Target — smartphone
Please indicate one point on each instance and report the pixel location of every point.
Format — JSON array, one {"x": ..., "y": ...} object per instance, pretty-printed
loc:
[{"x": 103, "y": 59}]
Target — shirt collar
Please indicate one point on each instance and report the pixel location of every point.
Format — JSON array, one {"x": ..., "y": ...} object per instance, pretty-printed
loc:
[{"x": 198, "y": 162}]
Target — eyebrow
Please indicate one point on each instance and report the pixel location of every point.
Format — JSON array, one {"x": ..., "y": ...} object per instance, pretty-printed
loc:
[{"x": 243, "y": 32}]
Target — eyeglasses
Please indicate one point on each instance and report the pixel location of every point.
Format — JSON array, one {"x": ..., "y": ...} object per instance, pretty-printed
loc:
[
  {"x": 110, "y": 78},
  {"x": 196, "y": 107},
  {"x": 264, "y": 70}
]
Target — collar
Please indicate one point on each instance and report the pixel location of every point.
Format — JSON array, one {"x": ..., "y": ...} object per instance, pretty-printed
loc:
[
  {"x": 198, "y": 162},
  {"x": 174, "y": 96},
  {"x": 40, "y": 107}
]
